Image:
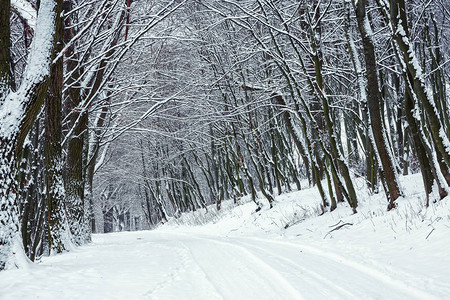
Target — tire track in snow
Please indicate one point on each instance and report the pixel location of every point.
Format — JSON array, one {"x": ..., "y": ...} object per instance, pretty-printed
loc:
[
  {"x": 411, "y": 291},
  {"x": 237, "y": 273},
  {"x": 205, "y": 275},
  {"x": 315, "y": 279}
]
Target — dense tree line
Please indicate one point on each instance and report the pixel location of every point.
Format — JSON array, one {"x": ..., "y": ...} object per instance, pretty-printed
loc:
[
  {"x": 290, "y": 91},
  {"x": 118, "y": 115}
]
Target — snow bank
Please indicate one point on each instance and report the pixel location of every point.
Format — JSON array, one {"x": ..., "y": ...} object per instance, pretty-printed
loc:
[
  {"x": 411, "y": 241},
  {"x": 298, "y": 213}
]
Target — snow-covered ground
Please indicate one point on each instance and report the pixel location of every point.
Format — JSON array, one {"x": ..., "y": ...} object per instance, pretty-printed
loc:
[{"x": 288, "y": 252}]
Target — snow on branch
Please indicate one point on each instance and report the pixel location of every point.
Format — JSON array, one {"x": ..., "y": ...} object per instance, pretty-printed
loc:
[
  {"x": 13, "y": 109},
  {"x": 26, "y": 11}
]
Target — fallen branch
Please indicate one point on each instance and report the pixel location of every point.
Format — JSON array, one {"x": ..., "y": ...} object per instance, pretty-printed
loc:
[
  {"x": 337, "y": 228},
  {"x": 340, "y": 221}
]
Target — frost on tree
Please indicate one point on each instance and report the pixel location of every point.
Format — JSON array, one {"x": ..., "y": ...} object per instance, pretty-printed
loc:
[{"x": 18, "y": 110}]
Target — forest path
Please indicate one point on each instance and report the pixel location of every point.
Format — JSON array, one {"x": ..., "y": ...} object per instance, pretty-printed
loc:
[{"x": 176, "y": 265}]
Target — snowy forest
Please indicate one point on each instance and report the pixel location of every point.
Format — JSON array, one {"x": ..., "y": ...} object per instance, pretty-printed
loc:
[{"x": 121, "y": 115}]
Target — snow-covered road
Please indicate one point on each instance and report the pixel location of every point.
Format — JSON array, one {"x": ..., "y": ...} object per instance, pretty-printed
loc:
[{"x": 177, "y": 265}]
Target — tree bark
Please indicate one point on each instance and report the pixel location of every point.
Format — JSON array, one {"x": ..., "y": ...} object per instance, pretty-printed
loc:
[
  {"x": 57, "y": 230},
  {"x": 78, "y": 118},
  {"x": 374, "y": 103},
  {"x": 17, "y": 118},
  {"x": 5, "y": 61}
]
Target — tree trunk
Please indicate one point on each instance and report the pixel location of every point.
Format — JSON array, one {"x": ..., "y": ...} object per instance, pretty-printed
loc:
[
  {"x": 5, "y": 44},
  {"x": 78, "y": 118},
  {"x": 57, "y": 230},
  {"x": 374, "y": 103},
  {"x": 17, "y": 119}
]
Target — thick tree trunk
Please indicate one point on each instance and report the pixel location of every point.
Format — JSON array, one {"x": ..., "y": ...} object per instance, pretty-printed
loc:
[
  {"x": 17, "y": 118},
  {"x": 77, "y": 118},
  {"x": 374, "y": 102},
  {"x": 9, "y": 221},
  {"x": 5, "y": 62},
  {"x": 9, "y": 216},
  {"x": 57, "y": 223}
]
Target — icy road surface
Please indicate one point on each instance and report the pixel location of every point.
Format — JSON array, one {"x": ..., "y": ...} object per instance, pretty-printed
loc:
[{"x": 172, "y": 265}]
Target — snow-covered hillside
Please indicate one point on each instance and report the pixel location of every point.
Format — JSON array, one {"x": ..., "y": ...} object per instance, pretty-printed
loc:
[{"x": 288, "y": 252}]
